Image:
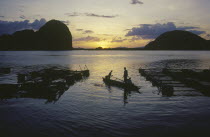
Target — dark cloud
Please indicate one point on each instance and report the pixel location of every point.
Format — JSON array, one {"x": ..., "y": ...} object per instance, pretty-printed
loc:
[
  {"x": 22, "y": 17},
  {"x": 188, "y": 28},
  {"x": 197, "y": 32},
  {"x": 152, "y": 31},
  {"x": 127, "y": 29},
  {"x": 135, "y": 38},
  {"x": 75, "y": 14},
  {"x": 85, "y": 31},
  {"x": 136, "y": 2},
  {"x": 9, "y": 27},
  {"x": 37, "y": 24},
  {"x": 100, "y": 16},
  {"x": 1, "y": 16},
  {"x": 118, "y": 39},
  {"x": 88, "y": 32},
  {"x": 88, "y": 38},
  {"x": 106, "y": 34},
  {"x": 79, "y": 29}
]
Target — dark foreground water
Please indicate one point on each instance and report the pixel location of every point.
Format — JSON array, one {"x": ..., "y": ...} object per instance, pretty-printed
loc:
[{"x": 90, "y": 109}]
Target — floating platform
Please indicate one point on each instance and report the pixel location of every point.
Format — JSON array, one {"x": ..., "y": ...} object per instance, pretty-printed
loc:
[
  {"x": 196, "y": 81},
  {"x": 47, "y": 84},
  {"x": 5, "y": 71}
]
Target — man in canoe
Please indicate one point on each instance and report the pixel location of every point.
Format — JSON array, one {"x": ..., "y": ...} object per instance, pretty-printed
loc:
[
  {"x": 125, "y": 75},
  {"x": 109, "y": 75}
]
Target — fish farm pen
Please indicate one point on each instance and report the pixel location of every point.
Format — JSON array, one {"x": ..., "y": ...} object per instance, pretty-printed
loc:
[
  {"x": 47, "y": 84},
  {"x": 170, "y": 81}
]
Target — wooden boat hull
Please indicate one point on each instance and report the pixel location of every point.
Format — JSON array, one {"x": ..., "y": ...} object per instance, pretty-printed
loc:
[{"x": 127, "y": 86}]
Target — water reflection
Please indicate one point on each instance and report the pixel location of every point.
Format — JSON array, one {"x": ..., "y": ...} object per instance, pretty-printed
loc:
[
  {"x": 126, "y": 91},
  {"x": 89, "y": 109},
  {"x": 175, "y": 63},
  {"x": 125, "y": 96}
]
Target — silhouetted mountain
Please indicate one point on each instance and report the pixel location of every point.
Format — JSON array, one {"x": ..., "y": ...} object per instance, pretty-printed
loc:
[
  {"x": 208, "y": 42},
  {"x": 54, "y": 35},
  {"x": 178, "y": 40}
]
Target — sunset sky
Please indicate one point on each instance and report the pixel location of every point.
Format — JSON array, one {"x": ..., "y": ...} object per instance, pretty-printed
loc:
[{"x": 109, "y": 23}]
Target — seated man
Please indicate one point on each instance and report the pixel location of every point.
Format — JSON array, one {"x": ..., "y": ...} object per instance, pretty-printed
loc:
[
  {"x": 109, "y": 75},
  {"x": 129, "y": 81}
]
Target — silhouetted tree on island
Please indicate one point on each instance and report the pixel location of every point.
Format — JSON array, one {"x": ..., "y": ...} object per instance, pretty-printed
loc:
[
  {"x": 99, "y": 48},
  {"x": 54, "y": 35}
]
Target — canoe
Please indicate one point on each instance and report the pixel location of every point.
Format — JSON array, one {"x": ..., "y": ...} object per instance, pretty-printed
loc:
[{"x": 121, "y": 84}]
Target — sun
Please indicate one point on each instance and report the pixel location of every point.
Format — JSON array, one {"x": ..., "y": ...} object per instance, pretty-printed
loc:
[{"x": 103, "y": 44}]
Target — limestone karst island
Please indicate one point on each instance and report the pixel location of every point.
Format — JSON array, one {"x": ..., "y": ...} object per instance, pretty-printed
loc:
[{"x": 54, "y": 35}]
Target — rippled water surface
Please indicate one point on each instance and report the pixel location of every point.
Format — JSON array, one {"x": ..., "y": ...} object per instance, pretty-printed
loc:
[{"x": 91, "y": 109}]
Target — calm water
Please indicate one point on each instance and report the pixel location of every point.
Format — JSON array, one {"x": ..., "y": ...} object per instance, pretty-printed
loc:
[{"x": 90, "y": 109}]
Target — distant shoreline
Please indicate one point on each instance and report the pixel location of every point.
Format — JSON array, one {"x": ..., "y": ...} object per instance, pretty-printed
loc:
[{"x": 129, "y": 49}]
